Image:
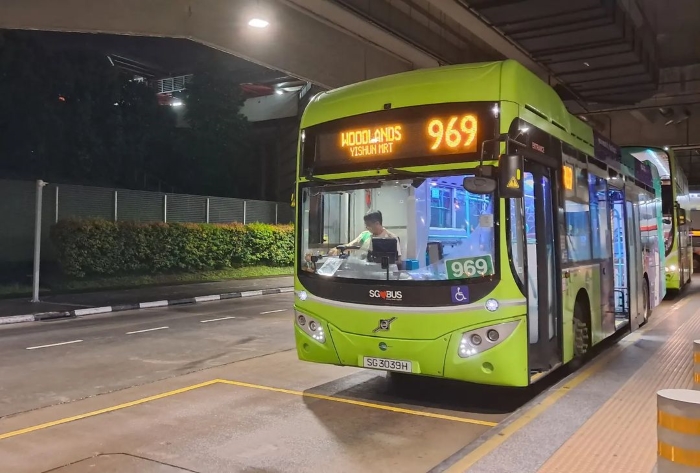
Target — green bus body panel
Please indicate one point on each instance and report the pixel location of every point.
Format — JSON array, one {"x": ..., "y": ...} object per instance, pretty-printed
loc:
[
  {"x": 673, "y": 278},
  {"x": 501, "y": 365}
]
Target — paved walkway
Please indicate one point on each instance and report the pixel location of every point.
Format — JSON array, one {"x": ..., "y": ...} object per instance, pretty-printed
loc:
[{"x": 67, "y": 302}]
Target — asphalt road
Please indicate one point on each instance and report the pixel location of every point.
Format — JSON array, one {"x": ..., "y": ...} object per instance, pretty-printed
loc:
[{"x": 47, "y": 363}]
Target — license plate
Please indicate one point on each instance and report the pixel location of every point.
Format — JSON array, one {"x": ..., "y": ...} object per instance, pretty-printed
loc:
[{"x": 385, "y": 364}]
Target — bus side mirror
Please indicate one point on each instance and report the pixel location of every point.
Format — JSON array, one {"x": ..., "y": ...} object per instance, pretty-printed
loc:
[
  {"x": 510, "y": 182},
  {"x": 479, "y": 185}
]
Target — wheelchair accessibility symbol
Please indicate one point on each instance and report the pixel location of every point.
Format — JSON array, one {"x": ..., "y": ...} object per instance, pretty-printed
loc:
[{"x": 460, "y": 294}]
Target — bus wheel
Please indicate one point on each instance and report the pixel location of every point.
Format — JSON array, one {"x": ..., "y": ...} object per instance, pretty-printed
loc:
[
  {"x": 581, "y": 333},
  {"x": 646, "y": 307}
]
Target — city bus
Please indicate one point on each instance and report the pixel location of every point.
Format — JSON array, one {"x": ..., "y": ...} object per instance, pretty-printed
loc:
[
  {"x": 676, "y": 214},
  {"x": 459, "y": 223}
]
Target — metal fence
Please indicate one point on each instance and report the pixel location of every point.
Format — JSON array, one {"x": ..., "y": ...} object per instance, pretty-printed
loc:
[{"x": 17, "y": 207}]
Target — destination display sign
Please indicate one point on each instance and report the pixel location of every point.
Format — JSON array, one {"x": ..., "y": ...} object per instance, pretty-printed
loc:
[{"x": 428, "y": 134}]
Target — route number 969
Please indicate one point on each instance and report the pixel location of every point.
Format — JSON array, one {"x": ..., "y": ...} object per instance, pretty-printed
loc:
[{"x": 465, "y": 268}]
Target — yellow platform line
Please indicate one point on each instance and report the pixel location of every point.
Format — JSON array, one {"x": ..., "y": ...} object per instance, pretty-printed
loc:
[
  {"x": 353, "y": 402},
  {"x": 66, "y": 420}
]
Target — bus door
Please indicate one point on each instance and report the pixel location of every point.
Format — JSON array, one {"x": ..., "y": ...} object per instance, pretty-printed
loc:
[
  {"x": 621, "y": 265},
  {"x": 542, "y": 268},
  {"x": 634, "y": 249}
]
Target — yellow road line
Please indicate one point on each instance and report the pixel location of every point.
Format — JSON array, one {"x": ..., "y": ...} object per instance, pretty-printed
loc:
[
  {"x": 104, "y": 411},
  {"x": 361, "y": 403},
  {"x": 529, "y": 415}
]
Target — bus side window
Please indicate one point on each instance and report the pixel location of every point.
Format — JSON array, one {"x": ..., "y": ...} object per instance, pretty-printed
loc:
[
  {"x": 600, "y": 225},
  {"x": 578, "y": 227}
]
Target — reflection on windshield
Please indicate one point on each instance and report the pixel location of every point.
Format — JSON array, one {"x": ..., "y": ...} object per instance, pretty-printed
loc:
[{"x": 398, "y": 230}]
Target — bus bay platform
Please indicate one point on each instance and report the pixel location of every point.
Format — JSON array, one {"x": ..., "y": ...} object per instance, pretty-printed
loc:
[{"x": 603, "y": 417}]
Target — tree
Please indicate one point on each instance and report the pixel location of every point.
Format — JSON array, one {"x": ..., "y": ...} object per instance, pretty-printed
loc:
[
  {"x": 218, "y": 143},
  {"x": 72, "y": 116}
]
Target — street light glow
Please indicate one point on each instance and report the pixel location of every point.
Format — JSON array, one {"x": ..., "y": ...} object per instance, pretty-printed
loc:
[{"x": 258, "y": 23}]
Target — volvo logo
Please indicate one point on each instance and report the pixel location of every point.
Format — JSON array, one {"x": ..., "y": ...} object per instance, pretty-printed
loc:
[{"x": 384, "y": 325}]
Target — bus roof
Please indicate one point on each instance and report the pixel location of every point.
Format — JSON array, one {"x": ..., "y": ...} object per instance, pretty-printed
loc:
[
  {"x": 488, "y": 81},
  {"x": 659, "y": 157}
]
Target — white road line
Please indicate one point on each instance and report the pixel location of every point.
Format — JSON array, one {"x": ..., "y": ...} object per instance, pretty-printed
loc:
[
  {"x": 149, "y": 305},
  {"x": 147, "y": 330},
  {"x": 93, "y": 311},
  {"x": 251, "y": 293},
  {"x": 54, "y": 344},
  {"x": 273, "y": 311},
  {"x": 216, "y": 320}
]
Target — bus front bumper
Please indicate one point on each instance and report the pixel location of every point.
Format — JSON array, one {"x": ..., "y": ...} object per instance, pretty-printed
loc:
[{"x": 503, "y": 362}]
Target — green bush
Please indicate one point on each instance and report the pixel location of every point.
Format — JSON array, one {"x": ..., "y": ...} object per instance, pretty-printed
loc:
[{"x": 99, "y": 247}]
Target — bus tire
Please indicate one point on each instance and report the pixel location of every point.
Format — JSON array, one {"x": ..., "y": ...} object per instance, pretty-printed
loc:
[
  {"x": 646, "y": 309},
  {"x": 582, "y": 338}
]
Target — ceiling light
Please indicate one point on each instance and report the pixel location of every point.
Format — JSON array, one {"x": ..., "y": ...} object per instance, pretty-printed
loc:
[
  {"x": 279, "y": 92},
  {"x": 258, "y": 23}
]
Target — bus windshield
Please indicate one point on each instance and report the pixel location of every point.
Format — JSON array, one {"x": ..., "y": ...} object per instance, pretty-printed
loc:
[{"x": 427, "y": 229}]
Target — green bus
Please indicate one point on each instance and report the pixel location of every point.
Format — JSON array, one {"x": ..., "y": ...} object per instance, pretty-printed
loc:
[
  {"x": 676, "y": 213},
  {"x": 458, "y": 222}
]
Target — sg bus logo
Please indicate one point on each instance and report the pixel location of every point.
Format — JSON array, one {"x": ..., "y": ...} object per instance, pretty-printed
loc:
[{"x": 385, "y": 295}]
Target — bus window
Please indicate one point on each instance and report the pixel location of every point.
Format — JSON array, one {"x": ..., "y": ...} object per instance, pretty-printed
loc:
[
  {"x": 600, "y": 224},
  {"x": 516, "y": 237},
  {"x": 578, "y": 230}
]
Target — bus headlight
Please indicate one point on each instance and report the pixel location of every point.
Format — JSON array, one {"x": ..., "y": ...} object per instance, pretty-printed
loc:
[
  {"x": 482, "y": 339},
  {"x": 311, "y": 327},
  {"x": 671, "y": 268}
]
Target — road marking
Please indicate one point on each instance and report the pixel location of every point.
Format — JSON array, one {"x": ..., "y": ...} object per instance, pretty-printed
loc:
[
  {"x": 148, "y": 305},
  {"x": 144, "y": 400},
  {"x": 93, "y": 311},
  {"x": 530, "y": 414},
  {"x": 361, "y": 403},
  {"x": 66, "y": 420},
  {"x": 216, "y": 320},
  {"x": 251, "y": 293},
  {"x": 54, "y": 345},
  {"x": 273, "y": 311},
  {"x": 147, "y": 330}
]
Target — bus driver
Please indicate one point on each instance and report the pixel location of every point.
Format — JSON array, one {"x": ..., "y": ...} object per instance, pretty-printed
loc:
[{"x": 375, "y": 229}]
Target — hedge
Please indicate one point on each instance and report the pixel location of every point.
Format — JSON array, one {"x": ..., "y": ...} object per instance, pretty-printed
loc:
[{"x": 100, "y": 247}]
